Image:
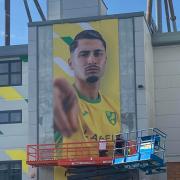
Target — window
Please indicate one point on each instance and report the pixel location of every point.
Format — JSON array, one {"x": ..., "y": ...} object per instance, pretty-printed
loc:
[
  {"x": 11, "y": 170},
  {"x": 10, "y": 117},
  {"x": 11, "y": 73}
]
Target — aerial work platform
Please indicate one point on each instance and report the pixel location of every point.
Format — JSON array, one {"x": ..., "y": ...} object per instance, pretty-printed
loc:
[
  {"x": 150, "y": 151},
  {"x": 143, "y": 149}
]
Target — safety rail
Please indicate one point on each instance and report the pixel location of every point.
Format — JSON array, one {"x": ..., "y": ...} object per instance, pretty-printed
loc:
[
  {"x": 148, "y": 153},
  {"x": 70, "y": 154},
  {"x": 143, "y": 149}
]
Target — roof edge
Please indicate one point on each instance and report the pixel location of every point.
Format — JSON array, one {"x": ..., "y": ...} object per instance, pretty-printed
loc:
[
  {"x": 92, "y": 18},
  {"x": 166, "y": 39},
  {"x": 13, "y": 50}
]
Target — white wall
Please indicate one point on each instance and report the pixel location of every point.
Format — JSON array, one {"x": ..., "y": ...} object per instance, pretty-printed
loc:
[
  {"x": 14, "y": 136},
  {"x": 167, "y": 96}
]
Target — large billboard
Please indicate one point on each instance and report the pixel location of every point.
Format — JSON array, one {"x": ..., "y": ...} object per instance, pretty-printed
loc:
[{"x": 86, "y": 82}]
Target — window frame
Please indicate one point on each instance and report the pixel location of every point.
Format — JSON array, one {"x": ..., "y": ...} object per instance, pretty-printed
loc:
[
  {"x": 9, "y": 116},
  {"x": 10, "y": 73},
  {"x": 10, "y": 170}
]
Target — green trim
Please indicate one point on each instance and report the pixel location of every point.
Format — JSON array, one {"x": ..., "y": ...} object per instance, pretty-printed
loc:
[
  {"x": 24, "y": 58},
  {"x": 89, "y": 100},
  {"x": 57, "y": 137},
  {"x": 67, "y": 39}
]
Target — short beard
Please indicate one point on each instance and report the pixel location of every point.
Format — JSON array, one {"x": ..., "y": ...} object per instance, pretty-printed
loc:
[{"x": 92, "y": 79}]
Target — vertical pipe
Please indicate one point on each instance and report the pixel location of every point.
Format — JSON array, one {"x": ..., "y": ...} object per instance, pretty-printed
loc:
[
  {"x": 167, "y": 16},
  {"x": 37, "y": 89},
  {"x": 173, "y": 17},
  {"x": 135, "y": 80},
  {"x": 149, "y": 12},
  {"x": 39, "y": 10},
  {"x": 27, "y": 10},
  {"x": 7, "y": 22},
  {"x": 159, "y": 15}
]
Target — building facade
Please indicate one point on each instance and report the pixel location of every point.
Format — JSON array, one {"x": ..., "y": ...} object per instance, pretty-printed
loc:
[{"x": 150, "y": 84}]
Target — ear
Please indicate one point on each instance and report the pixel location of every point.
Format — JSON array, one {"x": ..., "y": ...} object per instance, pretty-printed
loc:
[
  {"x": 70, "y": 63},
  {"x": 106, "y": 59}
]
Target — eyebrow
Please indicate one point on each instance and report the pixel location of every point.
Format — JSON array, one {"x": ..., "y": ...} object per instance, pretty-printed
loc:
[{"x": 87, "y": 51}]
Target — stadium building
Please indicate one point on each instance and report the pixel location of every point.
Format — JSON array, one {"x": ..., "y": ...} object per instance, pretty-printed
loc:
[{"x": 149, "y": 84}]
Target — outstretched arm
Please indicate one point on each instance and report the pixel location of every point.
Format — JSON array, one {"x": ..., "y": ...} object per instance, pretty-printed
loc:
[{"x": 65, "y": 108}]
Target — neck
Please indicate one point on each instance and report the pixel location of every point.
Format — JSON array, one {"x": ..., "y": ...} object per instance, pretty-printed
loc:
[{"x": 89, "y": 90}]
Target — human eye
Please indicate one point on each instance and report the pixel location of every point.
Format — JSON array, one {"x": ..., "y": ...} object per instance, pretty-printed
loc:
[
  {"x": 84, "y": 53},
  {"x": 98, "y": 53}
]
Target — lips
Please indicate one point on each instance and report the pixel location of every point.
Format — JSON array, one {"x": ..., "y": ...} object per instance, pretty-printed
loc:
[{"x": 92, "y": 69}]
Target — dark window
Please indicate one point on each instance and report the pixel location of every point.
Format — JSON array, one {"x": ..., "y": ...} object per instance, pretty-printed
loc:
[
  {"x": 11, "y": 170},
  {"x": 11, "y": 73},
  {"x": 9, "y": 117}
]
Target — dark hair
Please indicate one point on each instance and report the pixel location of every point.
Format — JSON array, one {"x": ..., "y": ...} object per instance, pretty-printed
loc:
[{"x": 86, "y": 34}]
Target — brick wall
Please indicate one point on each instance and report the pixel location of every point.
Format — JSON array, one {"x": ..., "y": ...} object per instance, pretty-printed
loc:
[{"x": 173, "y": 171}]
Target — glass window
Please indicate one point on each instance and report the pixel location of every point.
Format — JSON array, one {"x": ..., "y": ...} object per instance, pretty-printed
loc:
[
  {"x": 15, "y": 116},
  {"x": 11, "y": 170},
  {"x": 16, "y": 66},
  {"x": 11, "y": 73},
  {"x": 4, "y": 79},
  {"x": 8, "y": 117},
  {"x": 4, "y": 117},
  {"x": 4, "y": 68},
  {"x": 15, "y": 79}
]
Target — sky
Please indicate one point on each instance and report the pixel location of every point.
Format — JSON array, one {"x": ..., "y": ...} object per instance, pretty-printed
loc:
[{"x": 19, "y": 20}]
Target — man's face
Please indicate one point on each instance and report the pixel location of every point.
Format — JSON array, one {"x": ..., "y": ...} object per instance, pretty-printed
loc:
[{"x": 88, "y": 60}]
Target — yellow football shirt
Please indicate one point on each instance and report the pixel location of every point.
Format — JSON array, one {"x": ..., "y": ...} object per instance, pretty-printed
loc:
[{"x": 98, "y": 119}]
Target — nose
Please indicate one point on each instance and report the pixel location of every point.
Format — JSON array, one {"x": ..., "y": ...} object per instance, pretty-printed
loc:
[{"x": 91, "y": 59}]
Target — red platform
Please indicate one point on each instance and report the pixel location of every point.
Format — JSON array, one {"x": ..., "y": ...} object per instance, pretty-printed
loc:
[{"x": 70, "y": 154}]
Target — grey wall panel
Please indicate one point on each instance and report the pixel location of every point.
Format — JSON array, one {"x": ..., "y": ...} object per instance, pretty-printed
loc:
[
  {"x": 144, "y": 74},
  {"x": 45, "y": 84},
  {"x": 127, "y": 73},
  {"x": 53, "y": 9},
  {"x": 45, "y": 87},
  {"x": 149, "y": 76},
  {"x": 142, "y": 119},
  {"x": 70, "y": 4},
  {"x": 85, "y": 12},
  {"x": 32, "y": 80},
  {"x": 62, "y": 9}
]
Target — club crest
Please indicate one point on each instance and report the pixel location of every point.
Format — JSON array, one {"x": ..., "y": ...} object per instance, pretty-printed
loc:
[{"x": 112, "y": 117}]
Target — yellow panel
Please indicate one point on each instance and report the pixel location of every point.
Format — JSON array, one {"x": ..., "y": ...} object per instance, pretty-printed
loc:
[
  {"x": 10, "y": 93},
  {"x": 60, "y": 49},
  {"x": 112, "y": 41},
  {"x": 67, "y": 29},
  {"x": 18, "y": 154},
  {"x": 59, "y": 73}
]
